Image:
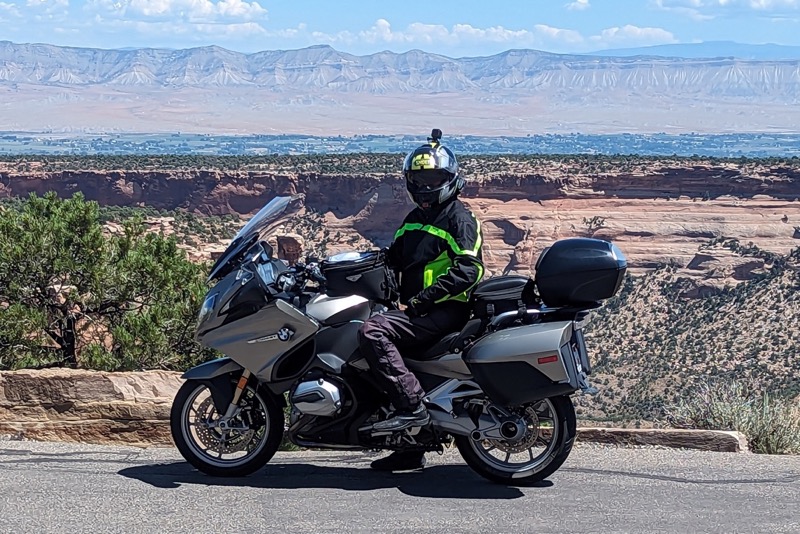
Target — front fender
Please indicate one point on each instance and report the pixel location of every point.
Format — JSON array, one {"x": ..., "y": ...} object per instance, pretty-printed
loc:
[
  {"x": 217, "y": 374},
  {"x": 212, "y": 369}
]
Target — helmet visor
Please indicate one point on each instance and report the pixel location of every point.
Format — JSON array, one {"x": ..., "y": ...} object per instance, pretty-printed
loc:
[{"x": 429, "y": 180}]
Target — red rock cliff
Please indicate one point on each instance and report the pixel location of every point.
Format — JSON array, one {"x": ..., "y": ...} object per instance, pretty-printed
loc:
[{"x": 655, "y": 213}]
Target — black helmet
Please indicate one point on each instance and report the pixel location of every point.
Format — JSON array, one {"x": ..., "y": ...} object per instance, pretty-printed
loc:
[{"x": 431, "y": 173}]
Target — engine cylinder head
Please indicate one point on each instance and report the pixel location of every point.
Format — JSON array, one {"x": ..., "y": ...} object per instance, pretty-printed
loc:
[{"x": 317, "y": 397}]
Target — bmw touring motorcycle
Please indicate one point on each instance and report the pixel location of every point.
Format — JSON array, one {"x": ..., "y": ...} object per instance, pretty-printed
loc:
[{"x": 499, "y": 389}]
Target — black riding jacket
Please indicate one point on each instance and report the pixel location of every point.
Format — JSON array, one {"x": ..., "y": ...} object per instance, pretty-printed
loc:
[{"x": 437, "y": 254}]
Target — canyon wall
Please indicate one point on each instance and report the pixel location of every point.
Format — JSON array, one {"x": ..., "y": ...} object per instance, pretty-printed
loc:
[{"x": 656, "y": 213}]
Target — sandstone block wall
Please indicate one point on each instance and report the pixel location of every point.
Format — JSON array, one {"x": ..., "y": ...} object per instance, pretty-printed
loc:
[
  {"x": 133, "y": 409},
  {"x": 88, "y": 406}
]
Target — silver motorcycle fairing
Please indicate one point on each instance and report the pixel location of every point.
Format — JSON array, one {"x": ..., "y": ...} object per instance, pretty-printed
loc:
[
  {"x": 211, "y": 369},
  {"x": 527, "y": 363},
  {"x": 337, "y": 345},
  {"x": 258, "y": 341},
  {"x": 448, "y": 366},
  {"x": 335, "y": 310}
]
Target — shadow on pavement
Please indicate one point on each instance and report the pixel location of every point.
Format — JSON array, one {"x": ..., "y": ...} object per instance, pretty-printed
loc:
[{"x": 440, "y": 481}]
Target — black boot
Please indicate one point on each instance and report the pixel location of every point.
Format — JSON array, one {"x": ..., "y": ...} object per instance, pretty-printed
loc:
[
  {"x": 402, "y": 419},
  {"x": 400, "y": 461}
]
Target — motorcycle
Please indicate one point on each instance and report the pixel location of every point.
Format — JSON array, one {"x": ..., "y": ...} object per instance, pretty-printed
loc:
[{"x": 499, "y": 390}]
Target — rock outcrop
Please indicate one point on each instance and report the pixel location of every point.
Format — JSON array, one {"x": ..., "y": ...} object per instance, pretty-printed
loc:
[{"x": 88, "y": 406}]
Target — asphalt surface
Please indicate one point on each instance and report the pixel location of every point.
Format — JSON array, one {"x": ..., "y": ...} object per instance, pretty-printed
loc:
[{"x": 47, "y": 487}]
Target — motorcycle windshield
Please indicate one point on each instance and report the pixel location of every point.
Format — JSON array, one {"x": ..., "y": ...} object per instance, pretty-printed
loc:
[{"x": 257, "y": 228}]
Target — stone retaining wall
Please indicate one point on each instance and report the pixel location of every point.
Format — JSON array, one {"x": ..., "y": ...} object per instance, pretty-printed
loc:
[
  {"x": 88, "y": 406},
  {"x": 133, "y": 409}
]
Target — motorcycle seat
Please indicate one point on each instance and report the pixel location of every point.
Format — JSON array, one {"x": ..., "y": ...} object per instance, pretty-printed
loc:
[{"x": 453, "y": 342}]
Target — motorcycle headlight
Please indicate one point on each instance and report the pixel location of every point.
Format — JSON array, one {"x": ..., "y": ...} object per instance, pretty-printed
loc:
[{"x": 208, "y": 306}]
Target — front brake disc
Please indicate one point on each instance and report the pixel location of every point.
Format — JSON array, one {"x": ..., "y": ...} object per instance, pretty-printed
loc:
[{"x": 213, "y": 439}]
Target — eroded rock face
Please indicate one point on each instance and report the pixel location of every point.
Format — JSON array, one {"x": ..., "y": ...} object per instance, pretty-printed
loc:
[
  {"x": 657, "y": 214},
  {"x": 88, "y": 406}
]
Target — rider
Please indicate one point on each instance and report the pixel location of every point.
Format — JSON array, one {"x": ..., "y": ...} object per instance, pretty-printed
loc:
[{"x": 437, "y": 257}]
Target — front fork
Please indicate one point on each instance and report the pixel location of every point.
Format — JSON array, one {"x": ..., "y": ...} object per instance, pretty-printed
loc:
[{"x": 233, "y": 407}]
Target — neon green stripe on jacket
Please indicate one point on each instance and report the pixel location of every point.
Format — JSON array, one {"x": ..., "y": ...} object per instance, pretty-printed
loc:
[
  {"x": 442, "y": 264},
  {"x": 438, "y": 232}
]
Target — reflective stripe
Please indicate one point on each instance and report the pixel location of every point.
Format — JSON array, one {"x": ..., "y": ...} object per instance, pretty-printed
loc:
[
  {"x": 464, "y": 297},
  {"x": 428, "y": 277},
  {"x": 436, "y": 268},
  {"x": 441, "y": 265},
  {"x": 479, "y": 240},
  {"x": 438, "y": 232}
]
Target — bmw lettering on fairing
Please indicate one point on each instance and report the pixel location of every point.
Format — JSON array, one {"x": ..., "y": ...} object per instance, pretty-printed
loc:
[{"x": 499, "y": 390}]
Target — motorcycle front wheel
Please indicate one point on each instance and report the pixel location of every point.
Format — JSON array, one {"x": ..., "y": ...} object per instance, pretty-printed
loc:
[
  {"x": 531, "y": 459},
  {"x": 242, "y": 446}
]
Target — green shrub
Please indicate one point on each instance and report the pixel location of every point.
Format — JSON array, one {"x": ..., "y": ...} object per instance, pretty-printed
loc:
[
  {"x": 72, "y": 296},
  {"x": 771, "y": 423}
]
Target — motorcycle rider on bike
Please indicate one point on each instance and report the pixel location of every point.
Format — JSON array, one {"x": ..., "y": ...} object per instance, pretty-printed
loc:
[{"x": 436, "y": 255}]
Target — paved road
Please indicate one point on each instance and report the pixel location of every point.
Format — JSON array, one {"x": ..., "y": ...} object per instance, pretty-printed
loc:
[{"x": 64, "y": 488}]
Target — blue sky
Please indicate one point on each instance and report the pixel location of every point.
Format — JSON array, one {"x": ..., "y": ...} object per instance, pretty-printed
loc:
[{"x": 452, "y": 28}]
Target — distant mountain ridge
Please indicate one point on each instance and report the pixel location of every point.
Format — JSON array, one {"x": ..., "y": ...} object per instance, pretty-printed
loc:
[
  {"x": 710, "y": 49},
  {"x": 324, "y": 68},
  {"x": 321, "y": 91}
]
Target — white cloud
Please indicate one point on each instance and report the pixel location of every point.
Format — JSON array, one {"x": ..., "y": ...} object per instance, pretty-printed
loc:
[
  {"x": 540, "y": 36},
  {"x": 199, "y": 11},
  {"x": 707, "y": 9},
  {"x": 633, "y": 36},
  {"x": 241, "y": 23},
  {"x": 498, "y": 34},
  {"x": 47, "y": 4},
  {"x": 578, "y": 5},
  {"x": 10, "y": 9},
  {"x": 48, "y": 9},
  {"x": 432, "y": 34},
  {"x": 184, "y": 29},
  {"x": 559, "y": 35}
]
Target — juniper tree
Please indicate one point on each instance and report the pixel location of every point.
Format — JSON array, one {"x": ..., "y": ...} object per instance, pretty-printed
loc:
[{"x": 71, "y": 295}]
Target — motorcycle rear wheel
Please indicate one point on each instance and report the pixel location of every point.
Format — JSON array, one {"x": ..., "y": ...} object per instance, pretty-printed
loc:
[
  {"x": 250, "y": 443},
  {"x": 553, "y": 429}
]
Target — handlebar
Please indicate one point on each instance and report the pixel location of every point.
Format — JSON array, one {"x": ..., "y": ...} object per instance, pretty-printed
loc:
[
  {"x": 295, "y": 277},
  {"x": 311, "y": 271}
]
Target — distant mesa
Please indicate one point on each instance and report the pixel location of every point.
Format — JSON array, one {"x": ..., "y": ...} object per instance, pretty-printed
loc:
[{"x": 322, "y": 90}]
